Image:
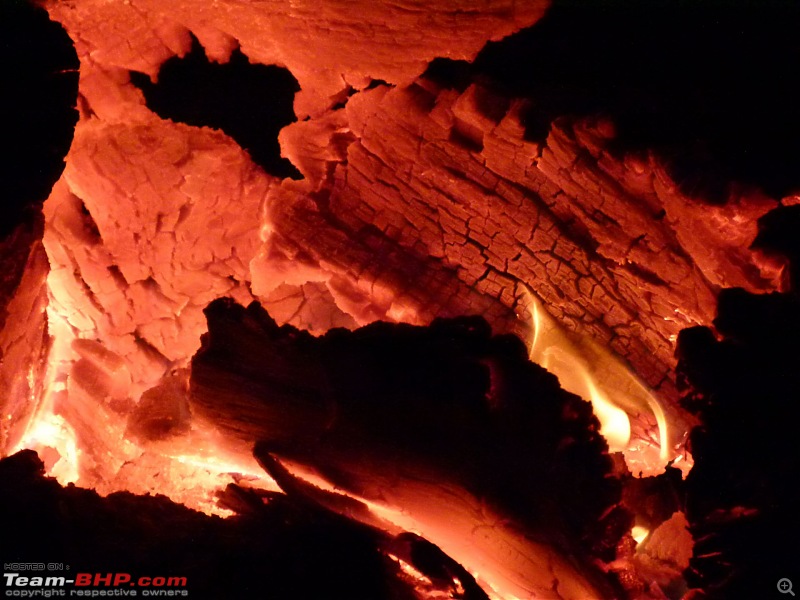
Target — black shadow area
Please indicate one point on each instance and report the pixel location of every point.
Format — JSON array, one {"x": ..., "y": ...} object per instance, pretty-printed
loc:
[
  {"x": 711, "y": 84},
  {"x": 249, "y": 102},
  {"x": 39, "y": 83}
]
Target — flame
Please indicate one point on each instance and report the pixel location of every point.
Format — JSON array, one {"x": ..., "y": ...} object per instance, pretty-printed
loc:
[
  {"x": 639, "y": 533},
  {"x": 568, "y": 359},
  {"x": 47, "y": 432},
  {"x": 550, "y": 348},
  {"x": 52, "y": 432},
  {"x": 661, "y": 420}
]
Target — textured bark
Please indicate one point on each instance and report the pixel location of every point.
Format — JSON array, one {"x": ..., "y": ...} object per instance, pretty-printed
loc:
[
  {"x": 425, "y": 201},
  {"x": 151, "y": 221},
  {"x": 432, "y": 202},
  {"x": 421, "y": 199},
  {"x": 331, "y": 48},
  {"x": 453, "y": 428},
  {"x": 144, "y": 232}
]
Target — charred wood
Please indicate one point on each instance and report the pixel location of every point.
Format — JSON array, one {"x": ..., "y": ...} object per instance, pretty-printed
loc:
[
  {"x": 742, "y": 492},
  {"x": 428, "y": 421},
  {"x": 434, "y": 197},
  {"x": 279, "y": 549}
]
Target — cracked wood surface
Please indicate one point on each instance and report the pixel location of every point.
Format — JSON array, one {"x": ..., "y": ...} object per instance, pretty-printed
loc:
[
  {"x": 322, "y": 44},
  {"x": 442, "y": 199},
  {"x": 418, "y": 200}
]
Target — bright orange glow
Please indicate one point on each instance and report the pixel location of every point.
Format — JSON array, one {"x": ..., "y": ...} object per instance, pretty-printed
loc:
[
  {"x": 639, "y": 533},
  {"x": 51, "y": 433},
  {"x": 411, "y": 571},
  {"x": 551, "y": 349},
  {"x": 189, "y": 468},
  {"x": 507, "y": 564},
  {"x": 48, "y": 433},
  {"x": 598, "y": 376}
]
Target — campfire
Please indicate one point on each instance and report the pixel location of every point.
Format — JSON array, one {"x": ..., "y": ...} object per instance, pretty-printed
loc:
[{"x": 401, "y": 296}]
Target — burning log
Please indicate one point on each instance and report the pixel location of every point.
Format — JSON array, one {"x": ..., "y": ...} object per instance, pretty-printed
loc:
[
  {"x": 742, "y": 492},
  {"x": 422, "y": 196},
  {"x": 429, "y": 190},
  {"x": 447, "y": 430},
  {"x": 280, "y": 548},
  {"x": 430, "y": 201},
  {"x": 322, "y": 45}
]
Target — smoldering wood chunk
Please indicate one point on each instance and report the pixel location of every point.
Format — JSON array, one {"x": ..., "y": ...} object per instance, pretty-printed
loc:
[
  {"x": 162, "y": 410},
  {"x": 435, "y": 197},
  {"x": 441, "y": 576},
  {"x": 777, "y": 238},
  {"x": 330, "y": 48},
  {"x": 283, "y": 550},
  {"x": 436, "y": 565},
  {"x": 742, "y": 492},
  {"x": 653, "y": 500},
  {"x": 448, "y": 404}
]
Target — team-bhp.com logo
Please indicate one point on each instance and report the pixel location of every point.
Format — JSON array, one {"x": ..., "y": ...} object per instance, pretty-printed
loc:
[{"x": 93, "y": 585}]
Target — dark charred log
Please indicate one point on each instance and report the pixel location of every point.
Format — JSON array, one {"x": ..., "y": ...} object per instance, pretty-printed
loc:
[
  {"x": 38, "y": 68},
  {"x": 279, "y": 549},
  {"x": 387, "y": 406},
  {"x": 39, "y": 71},
  {"x": 742, "y": 494},
  {"x": 653, "y": 500}
]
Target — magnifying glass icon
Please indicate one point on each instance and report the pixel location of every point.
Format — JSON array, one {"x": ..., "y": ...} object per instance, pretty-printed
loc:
[{"x": 785, "y": 586}]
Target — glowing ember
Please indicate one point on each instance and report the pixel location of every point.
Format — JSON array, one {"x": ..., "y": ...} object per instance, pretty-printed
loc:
[
  {"x": 500, "y": 558},
  {"x": 54, "y": 440},
  {"x": 411, "y": 571},
  {"x": 47, "y": 432},
  {"x": 189, "y": 468}
]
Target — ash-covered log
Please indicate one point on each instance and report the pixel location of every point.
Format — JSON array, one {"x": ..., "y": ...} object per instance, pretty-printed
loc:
[
  {"x": 446, "y": 429},
  {"x": 743, "y": 495}
]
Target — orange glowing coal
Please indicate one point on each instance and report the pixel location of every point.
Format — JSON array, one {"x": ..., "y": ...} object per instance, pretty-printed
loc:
[{"x": 189, "y": 468}]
